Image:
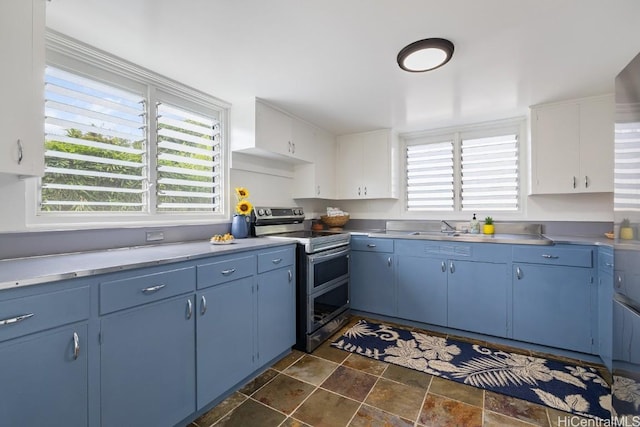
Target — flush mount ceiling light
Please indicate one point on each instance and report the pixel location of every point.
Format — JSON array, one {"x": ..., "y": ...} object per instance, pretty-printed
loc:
[{"x": 425, "y": 55}]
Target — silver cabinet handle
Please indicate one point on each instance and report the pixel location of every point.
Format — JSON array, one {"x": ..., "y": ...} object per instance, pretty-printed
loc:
[
  {"x": 371, "y": 245},
  {"x": 586, "y": 181},
  {"x": 619, "y": 282},
  {"x": 76, "y": 346},
  {"x": 16, "y": 319},
  {"x": 518, "y": 273},
  {"x": 452, "y": 268},
  {"x": 189, "y": 309},
  {"x": 547, "y": 256},
  {"x": 608, "y": 264},
  {"x": 203, "y": 305},
  {"x": 152, "y": 289},
  {"x": 20, "y": 152},
  {"x": 290, "y": 276},
  {"x": 574, "y": 182},
  {"x": 228, "y": 272},
  {"x": 365, "y": 191},
  {"x": 389, "y": 262},
  {"x": 443, "y": 266},
  {"x": 358, "y": 191},
  {"x": 293, "y": 144},
  {"x": 289, "y": 146},
  {"x": 276, "y": 260}
]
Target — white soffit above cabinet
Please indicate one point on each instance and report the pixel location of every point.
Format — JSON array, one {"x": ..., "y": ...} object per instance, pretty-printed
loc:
[{"x": 333, "y": 62}]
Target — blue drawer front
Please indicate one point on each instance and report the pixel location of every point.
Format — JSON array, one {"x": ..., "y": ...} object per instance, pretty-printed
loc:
[
  {"x": 144, "y": 288},
  {"x": 372, "y": 244},
  {"x": 275, "y": 259},
  {"x": 226, "y": 270},
  {"x": 44, "y": 311},
  {"x": 554, "y": 255}
]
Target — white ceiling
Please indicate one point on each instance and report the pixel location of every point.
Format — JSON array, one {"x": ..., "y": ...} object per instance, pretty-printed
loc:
[{"x": 333, "y": 62}]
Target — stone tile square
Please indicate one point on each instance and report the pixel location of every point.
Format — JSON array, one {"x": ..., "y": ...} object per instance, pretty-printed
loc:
[
  {"x": 325, "y": 351},
  {"x": 516, "y": 408},
  {"x": 366, "y": 364},
  {"x": 311, "y": 369},
  {"x": 368, "y": 416},
  {"x": 284, "y": 393},
  {"x": 292, "y": 422},
  {"x": 491, "y": 419},
  {"x": 440, "y": 411},
  {"x": 453, "y": 390},
  {"x": 287, "y": 360},
  {"x": 350, "y": 382},
  {"x": 399, "y": 399},
  {"x": 408, "y": 376},
  {"x": 251, "y": 413},
  {"x": 220, "y": 410},
  {"x": 326, "y": 409},
  {"x": 258, "y": 382}
]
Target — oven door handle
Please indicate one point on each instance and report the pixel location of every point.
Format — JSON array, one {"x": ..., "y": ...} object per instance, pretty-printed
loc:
[{"x": 320, "y": 257}]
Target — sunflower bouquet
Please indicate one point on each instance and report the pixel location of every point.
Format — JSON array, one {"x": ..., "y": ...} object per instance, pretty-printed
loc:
[{"x": 243, "y": 206}]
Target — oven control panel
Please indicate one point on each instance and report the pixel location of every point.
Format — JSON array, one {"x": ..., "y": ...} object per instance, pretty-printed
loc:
[{"x": 268, "y": 213}]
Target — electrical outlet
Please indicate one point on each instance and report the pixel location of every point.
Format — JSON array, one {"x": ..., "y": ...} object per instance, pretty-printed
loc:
[{"x": 155, "y": 236}]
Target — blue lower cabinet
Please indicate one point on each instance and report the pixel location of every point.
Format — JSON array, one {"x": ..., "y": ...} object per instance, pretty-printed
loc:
[
  {"x": 44, "y": 379},
  {"x": 422, "y": 289},
  {"x": 552, "y": 306},
  {"x": 477, "y": 296},
  {"x": 605, "y": 306},
  {"x": 276, "y": 313},
  {"x": 147, "y": 364},
  {"x": 225, "y": 337},
  {"x": 372, "y": 282}
]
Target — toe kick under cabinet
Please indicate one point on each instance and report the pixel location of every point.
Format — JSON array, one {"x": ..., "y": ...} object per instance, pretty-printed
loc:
[{"x": 149, "y": 346}]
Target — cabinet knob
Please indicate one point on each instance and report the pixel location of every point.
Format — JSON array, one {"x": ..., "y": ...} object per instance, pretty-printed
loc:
[
  {"x": 547, "y": 256},
  {"x": 518, "y": 273},
  {"x": 365, "y": 191},
  {"x": 371, "y": 245},
  {"x": 290, "y": 275},
  {"x": 574, "y": 182},
  {"x": 276, "y": 260},
  {"x": 152, "y": 289},
  {"x": 586, "y": 181},
  {"x": 20, "y": 151},
  {"x": 189, "y": 309},
  {"x": 76, "y": 346},
  {"x": 358, "y": 191},
  {"x": 16, "y": 319},
  {"x": 318, "y": 190},
  {"x": 228, "y": 272},
  {"x": 452, "y": 268},
  {"x": 443, "y": 266},
  {"x": 203, "y": 305},
  {"x": 389, "y": 261}
]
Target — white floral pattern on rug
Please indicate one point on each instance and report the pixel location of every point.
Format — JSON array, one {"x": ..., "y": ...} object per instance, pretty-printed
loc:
[{"x": 576, "y": 389}]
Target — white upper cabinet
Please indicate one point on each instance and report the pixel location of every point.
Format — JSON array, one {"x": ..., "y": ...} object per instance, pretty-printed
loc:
[
  {"x": 22, "y": 26},
  {"x": 572, "y": 146},
  {"x": 282, "y": 136},
  {"x": 366, "y": 165},
  {"x": 317, "y": 180}
]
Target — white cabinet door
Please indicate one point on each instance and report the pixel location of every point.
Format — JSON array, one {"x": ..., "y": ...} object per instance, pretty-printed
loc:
[
  {"x": 317, "y": 180},
  {"x": 555, "y": 135},
  {"x": 596, "y": 145},
  {"x": 303, "y": 138},
  {"x": 376, "y": 165},
  {"x": 349, "y": 167},
  {"x": 22, "y": 85},
  {"x": 273, "y": 130}
]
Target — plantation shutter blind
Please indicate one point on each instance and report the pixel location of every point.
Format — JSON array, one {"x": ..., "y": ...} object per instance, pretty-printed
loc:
[
  {"x": 188, "y": 161},
  {"x": 489, "y": 173},
  {"x": 94, "y": 146},
  {"x": 430, "y": 176},
  {"x": 626, "y": 169}
]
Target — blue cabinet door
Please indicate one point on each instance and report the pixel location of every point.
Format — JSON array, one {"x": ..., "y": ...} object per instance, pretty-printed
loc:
[
  {"x": 43, "y": 383},
  {"x": 147, "y": 364},
  {"x": 372, "y": 282},
  {"x": 477, "y": 296},
  {"x": 225, "y": 337},
  {"x": 422, "y": 289},
  {"x": 552, "y": 306},
  {"x": 605, "y": 306},
  {"x": 276, "y": 313}
]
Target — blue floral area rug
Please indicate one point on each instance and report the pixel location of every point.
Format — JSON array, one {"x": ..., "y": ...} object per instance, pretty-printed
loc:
[{"x": 570, "y": 388}]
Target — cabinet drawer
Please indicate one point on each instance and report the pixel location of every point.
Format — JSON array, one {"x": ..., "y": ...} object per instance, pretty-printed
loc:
[
  {"x": 144, "y": 288},
  {"x": 226, "y": 270},
  {"x": 276, "y": 259},
  {"x": 605, "y": 262},
  {"x": 554, "y": 255},
  {"x": 372, "y": 244},
  {"x": 35, "y": 313}
]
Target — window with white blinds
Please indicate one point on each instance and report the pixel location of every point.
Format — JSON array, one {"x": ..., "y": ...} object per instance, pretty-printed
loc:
[
  {"x": 430, "y": 177},
  {"x": 474, "y": 169},
  {"x": 626, "y": 173},
  {"x": 95, "y": 145},
  {"x": 489, "y": 173},
  {"x": 188, "y": 160}
]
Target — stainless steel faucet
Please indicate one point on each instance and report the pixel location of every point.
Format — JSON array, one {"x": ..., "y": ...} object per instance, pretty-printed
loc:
[{"x": 446, "y": 227}]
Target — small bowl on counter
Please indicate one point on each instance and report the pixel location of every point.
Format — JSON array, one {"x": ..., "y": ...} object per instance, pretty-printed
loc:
[{"x": 335, "y": 223}]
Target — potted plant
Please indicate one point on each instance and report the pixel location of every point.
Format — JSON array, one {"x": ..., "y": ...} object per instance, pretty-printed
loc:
[
  {"x": 626, "y": 232},
  {"x": 488, "y": 227}
]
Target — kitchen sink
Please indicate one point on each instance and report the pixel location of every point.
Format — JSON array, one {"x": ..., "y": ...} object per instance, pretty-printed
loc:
[{"x": 518, "y": 239}]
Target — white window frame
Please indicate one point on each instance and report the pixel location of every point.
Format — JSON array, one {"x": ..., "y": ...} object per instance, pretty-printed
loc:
[
  {"x": 79, "y": 58},
  {"x": 485, "y": 129}
]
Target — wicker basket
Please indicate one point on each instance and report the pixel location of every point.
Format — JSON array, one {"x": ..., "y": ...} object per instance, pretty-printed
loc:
[{"x": 335, "y": 221}]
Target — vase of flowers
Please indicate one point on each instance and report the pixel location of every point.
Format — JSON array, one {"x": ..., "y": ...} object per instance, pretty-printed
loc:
[{"x": 242, "y": 217}]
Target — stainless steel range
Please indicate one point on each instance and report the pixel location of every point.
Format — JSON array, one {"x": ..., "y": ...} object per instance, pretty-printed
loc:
[{"x": 323, "y": 269}]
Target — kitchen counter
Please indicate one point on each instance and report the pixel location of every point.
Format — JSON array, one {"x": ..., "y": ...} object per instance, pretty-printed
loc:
[{"x": 49, "y": 268}]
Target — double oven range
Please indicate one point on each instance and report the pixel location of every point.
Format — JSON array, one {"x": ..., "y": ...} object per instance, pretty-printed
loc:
[{"x": 322, "y": 266}]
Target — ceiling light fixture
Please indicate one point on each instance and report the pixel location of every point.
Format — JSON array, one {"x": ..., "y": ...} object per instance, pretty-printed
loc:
[{"x": 425, "y": 55}]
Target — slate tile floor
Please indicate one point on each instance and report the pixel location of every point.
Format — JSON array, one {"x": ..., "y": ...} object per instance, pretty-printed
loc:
[{"x": 334, "y": 388}]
